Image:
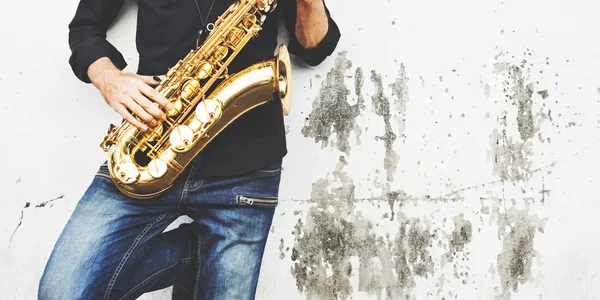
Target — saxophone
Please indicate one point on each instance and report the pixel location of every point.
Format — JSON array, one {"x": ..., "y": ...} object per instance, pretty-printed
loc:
[{"x": 144, "y": 164}]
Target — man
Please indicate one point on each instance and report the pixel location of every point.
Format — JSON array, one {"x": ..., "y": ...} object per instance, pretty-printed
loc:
[{"x": 115, "y": 247}]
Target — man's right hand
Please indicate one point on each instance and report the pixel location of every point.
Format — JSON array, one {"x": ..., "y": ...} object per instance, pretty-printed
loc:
[{"x": 124, "y": 90}]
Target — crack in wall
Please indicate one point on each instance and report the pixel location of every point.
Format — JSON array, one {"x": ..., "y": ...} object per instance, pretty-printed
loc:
[{"x": 27, "y": 205}]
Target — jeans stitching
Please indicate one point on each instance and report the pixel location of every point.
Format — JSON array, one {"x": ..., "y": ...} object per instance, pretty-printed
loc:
[
  {"x": 128, "y": 253},
  {"x": 143, "y": 282},
  {"x": 199, "y": 269},
  {"x": 186, "y": 185},
  {"x": 197, "y": 187}
]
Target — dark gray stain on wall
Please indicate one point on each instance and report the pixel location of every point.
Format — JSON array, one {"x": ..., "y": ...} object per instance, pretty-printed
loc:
[
  {"x": 462, "y": 234},
  {"x": 335, "y": 243},
  {"x": 512, "y": 162},
  {"x": 331, "y": 111},
  {"x": 334, "y": 232},
  {"x": 511, "y": 158},
  {"x": 381, "y": 105},
  {"x": 522, "y": 95},
  {"x": 517, "y": 229},
  {"x": 512, "y": 155},
  {"x": 400, "y": 92},
  {"x": 325, "y": 243}
]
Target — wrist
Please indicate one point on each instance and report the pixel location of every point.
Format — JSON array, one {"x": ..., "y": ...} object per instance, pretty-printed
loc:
[{"x": 99, "y": 70}]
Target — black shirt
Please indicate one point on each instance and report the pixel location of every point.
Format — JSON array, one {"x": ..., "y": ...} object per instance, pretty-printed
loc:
[{"x": 166, "y": 32}]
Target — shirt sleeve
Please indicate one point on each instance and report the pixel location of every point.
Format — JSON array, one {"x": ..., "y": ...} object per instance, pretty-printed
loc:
[
  {"x": 87, "y": 35},
  {"x": 313, "y": 56}
]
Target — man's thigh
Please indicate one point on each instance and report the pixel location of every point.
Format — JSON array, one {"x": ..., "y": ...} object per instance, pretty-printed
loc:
[
  {"x": 113, "y": 244},
  {"x": 235, "y": 216}
]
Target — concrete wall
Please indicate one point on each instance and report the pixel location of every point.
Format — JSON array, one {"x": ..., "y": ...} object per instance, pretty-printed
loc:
[{"x": 447, "y": 150}]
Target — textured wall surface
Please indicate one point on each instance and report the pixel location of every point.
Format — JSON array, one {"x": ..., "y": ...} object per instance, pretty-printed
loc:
[{"x": 446, "y": 150}]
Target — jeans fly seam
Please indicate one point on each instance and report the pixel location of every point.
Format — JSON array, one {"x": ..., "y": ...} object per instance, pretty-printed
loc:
[
  {"x": 143, "y": 282},
  {"x": 128, "y": 253}
]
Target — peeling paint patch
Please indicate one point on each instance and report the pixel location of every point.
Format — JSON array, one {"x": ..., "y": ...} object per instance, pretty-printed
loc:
[
  {"x": 334, "y": 233},
  {"x": 512, "y": 155},
  {"x": 511, "y": 158},
  {"x": 281, "y": 253},
  {"x": 381, "y": 105},
  {"x": 331, "y": 112},
  {"x": 400, "y": 91},
  {"x": 460, "y": 237},
  {"x": 517, "y": 229},
  {"x": 392, "y": 198},
  {"x": 416, "y": 244},
  {"x": 522, "y": 94},
  {"x": 462, "y": 234},
  {"x": 487, "y": 90}
]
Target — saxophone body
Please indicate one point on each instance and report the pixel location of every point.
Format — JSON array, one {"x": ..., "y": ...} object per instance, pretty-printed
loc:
[{"x": 143, "y": 164}]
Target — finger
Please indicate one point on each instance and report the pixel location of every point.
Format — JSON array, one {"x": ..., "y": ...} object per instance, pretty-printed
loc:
[
  {"x": 149, "y": 79},
  {"x": 122, "y": 110},
  {"x": 159, "y": 78},
  {"x": 140, "y": 112},
  {"x": 156, "y": 96},
  {"x": 149, "y": 107}
]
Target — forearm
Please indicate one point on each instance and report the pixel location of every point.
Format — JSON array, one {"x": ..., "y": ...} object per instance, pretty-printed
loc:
[
  {"x": 311, "y": 22},
  {"x": 98, "y": 68}
]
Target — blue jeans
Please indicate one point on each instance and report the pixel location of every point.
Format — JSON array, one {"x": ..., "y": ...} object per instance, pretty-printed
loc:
[{"x": 115, "y": 247}]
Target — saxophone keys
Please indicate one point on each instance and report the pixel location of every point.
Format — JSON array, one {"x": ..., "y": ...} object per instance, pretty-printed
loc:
[
  {"x": 220, "y": 52},
  {"x": 156, "y": 132},
  {"x": 126, "y": 172},
  {"x": 190, "y": 89},
  {"x": 208, "y": 111},
  {"x": 157, "y": 168},
  {"x": 263, "y": 5},
  {"x": 204, "y": 70},
  {"x": 177, "y": 106},
  {"x": 181, "y": 138},
  {"x": 249, "y": 20}
]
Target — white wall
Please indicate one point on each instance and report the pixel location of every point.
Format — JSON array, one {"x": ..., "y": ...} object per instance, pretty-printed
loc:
[{"x": 479, "y": 182}]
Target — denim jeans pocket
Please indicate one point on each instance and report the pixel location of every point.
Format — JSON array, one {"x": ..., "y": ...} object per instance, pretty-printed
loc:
[
  {"x": 253, "y": 200},
  {"x": 259, "y": 187}
]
